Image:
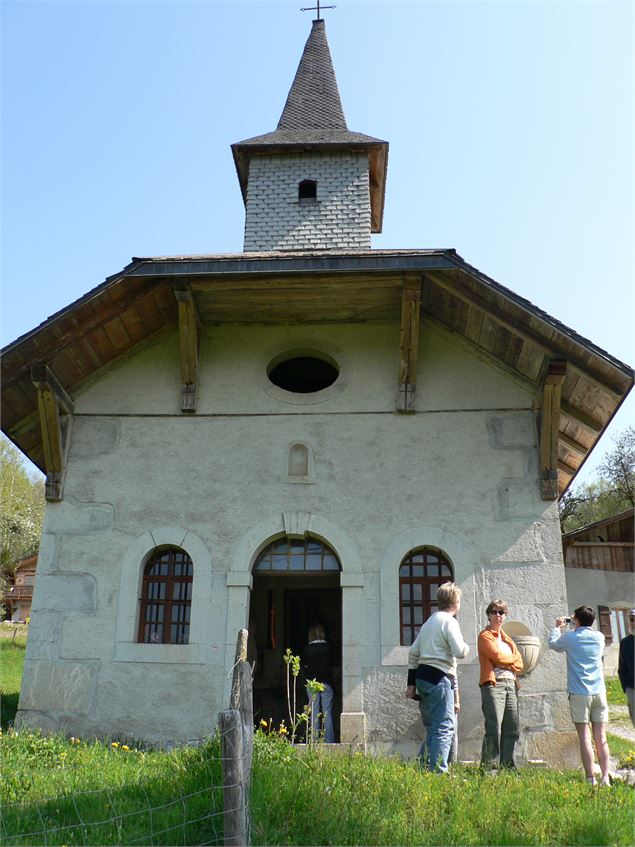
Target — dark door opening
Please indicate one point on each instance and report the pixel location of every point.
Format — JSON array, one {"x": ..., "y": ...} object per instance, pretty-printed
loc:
[{"x": 283, "y": 606}]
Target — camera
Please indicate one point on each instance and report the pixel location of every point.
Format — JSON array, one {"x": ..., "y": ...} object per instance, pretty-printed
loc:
[{"x": 567, "y": 620}]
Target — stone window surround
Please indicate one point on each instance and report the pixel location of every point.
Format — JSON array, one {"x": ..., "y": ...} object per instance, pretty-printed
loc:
[
  {"x": 448, "y": 543},
  {"x": 240, "y": 583},
  {"x": 127, "y": 649},
  {"x": 302, "y": 345}
]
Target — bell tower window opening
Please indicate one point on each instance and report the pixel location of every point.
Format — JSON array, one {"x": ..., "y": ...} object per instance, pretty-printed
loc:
[{"x": 307, "y": 189}]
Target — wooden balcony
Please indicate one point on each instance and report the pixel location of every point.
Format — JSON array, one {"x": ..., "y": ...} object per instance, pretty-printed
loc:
[
  {"x": 616, "y": 556},
  {"x": 18, "y": 592}
]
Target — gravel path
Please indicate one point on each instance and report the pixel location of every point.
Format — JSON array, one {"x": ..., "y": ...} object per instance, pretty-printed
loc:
[{"x": 620, "y": 723}]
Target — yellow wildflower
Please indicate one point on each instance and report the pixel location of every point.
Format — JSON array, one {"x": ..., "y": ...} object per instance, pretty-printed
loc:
[
  {"x": 125, "y": 747},
  {"x": 115, "y": 744},
  {"x": 263, "y": 723}
]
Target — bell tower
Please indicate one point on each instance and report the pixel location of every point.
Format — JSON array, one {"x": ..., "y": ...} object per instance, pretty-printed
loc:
[{"x": 312, "y": 184}]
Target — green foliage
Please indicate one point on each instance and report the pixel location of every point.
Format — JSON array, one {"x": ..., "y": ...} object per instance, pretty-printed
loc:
[
  {"x": 614, "y": 693},
  {"x": 627, "y": 760},
  {"x": 21, "y": 508},
  {"x": 613, "y": 492}
]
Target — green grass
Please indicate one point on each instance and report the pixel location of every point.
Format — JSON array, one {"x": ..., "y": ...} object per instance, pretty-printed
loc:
[
  {"x": 11, "y": 664},
  {"x": 614, "y": 693},
  {"x": 619, "y": 746},
  {"x": 58, "y": 791},
  {"x": 97, "y": 793},
  {"x": 330, "y": 799}
]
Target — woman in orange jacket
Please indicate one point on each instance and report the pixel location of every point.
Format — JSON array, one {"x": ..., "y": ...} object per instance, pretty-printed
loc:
[{"x": 500, "y": 662}]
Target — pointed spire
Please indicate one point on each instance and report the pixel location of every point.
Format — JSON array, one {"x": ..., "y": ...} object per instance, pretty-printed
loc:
[
  {"x": 313, "y": 120},
  {"x": 314, "y": 99}
]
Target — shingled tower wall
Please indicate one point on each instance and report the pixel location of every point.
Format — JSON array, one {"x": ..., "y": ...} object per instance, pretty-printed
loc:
[{"x": 311, "y": 143}]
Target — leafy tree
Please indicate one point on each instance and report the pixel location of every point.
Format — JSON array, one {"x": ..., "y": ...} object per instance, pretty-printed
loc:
[
  {"x": 619, "y": 466},
  {"x": 21, "y": 508},
  {"x": 611, "y": 493}
]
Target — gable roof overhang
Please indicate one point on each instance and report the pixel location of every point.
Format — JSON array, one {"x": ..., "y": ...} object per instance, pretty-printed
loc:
[{"x": 139, "y": 303}]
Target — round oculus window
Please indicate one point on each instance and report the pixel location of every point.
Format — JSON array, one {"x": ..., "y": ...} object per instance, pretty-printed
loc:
[{"x": 303, "y": 374}]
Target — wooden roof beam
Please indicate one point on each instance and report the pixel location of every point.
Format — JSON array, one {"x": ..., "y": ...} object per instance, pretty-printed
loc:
[
  {"x": 54, "y": 426},
  {"x": 578, "y": 417},
  {"x": 409, "y": 342},
  {"x": 189, "y": 345},
  {"x": 573, "y": 445},
  {"x": 525, "y": 333},
  {"x": 550, "y": 429}
]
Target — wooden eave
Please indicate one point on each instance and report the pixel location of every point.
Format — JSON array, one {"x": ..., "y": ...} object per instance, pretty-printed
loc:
[
  {"x": 317, "y": 287},
  {"x": 377, "y": 161}
]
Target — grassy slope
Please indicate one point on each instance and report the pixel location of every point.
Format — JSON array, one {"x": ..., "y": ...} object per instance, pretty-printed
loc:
[
  {"x": 323, "y": 799},
  {"x": 11, "y": 664}
]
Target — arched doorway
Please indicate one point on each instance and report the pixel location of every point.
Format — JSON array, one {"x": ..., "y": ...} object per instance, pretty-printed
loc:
[{"x": 296, "y": 582}]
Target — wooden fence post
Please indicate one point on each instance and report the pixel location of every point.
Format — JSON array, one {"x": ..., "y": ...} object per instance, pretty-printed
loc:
[{"x": 237, "y": 743}]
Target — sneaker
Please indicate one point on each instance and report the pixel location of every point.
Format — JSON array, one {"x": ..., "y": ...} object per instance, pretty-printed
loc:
[
  {"x": 605, "y": 780},
  {"x": 591, "y": 780}
]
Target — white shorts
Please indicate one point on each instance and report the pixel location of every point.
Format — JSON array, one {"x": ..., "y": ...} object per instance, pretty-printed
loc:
[{"x": 588, "y": 707}]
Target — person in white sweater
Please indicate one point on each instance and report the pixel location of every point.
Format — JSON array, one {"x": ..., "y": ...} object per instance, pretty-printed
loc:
[{"x": 432, "y": 675}]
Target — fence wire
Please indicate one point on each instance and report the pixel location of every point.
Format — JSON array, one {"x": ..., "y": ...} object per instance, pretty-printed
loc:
[{"x": 186, "y": 809}]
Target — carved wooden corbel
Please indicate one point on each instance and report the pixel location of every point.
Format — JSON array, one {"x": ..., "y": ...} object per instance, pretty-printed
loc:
[
  {"x": 550, "y": 429},
  {"x": 409, "y": 342},
  {"x": 55, "y": 410},
  {"x": 189, "y": 343}
]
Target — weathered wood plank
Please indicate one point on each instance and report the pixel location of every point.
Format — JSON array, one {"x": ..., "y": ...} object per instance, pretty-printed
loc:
[{"x": 409, "y": 343}]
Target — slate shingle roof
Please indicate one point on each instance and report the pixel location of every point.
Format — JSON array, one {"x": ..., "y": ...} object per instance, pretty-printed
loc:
[{"x": 313, "y": 119}]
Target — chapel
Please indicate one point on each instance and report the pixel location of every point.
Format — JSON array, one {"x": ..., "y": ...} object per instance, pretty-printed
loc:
[{"x": 311, "y": 430}]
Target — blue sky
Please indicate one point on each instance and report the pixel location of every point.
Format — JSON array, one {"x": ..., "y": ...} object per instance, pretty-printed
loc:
[{"x": 510, "y": 127}]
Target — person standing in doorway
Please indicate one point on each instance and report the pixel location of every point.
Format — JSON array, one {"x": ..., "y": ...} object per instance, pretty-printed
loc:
[
  {"x": 626, "y": 665},
  {"x": 500, "y": 661},
  {"x": 316, "y": 662},
  {"x": 431, "y": 666},
  {"x": 584, "y": 648}
]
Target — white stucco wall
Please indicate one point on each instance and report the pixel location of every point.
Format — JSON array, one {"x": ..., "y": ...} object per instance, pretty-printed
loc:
[{"x": 460, "y": 474}]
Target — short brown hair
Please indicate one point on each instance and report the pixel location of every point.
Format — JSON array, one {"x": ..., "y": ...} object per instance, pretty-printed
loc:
[
  {"x": 584, "y": 615},
  {"x": 448, "y": 595},
  {"x": 496, "y": 604}
]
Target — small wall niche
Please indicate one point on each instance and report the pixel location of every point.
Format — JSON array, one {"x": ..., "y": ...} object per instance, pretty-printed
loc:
[{"x": 300, "y": 464}]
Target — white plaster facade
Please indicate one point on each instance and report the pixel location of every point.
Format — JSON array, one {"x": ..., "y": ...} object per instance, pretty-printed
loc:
[{"x": 460, "y": 474}]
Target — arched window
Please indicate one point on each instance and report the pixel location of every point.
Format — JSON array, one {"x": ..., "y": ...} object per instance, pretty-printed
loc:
[
  {"x": 297, "y": 555},
  {"x": 421, "y": 573},
  {"x": 307, "y": 190},
  {"x": 166, "y": 598}
]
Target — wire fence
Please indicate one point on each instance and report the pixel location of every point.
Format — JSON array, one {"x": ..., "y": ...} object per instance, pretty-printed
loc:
[{"x": 195, "y": 794}]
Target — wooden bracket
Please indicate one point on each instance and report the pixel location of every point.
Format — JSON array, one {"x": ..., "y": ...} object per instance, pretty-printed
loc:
[
  {"x": 409, "y": 342},
  {"x": 550, "y": 429},
  {"x": 55, "y": 409},
  {"x": 189, "y": 343}
]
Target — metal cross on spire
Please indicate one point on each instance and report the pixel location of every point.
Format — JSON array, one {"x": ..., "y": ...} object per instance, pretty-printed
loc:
[{"x": 316, "y": 8}]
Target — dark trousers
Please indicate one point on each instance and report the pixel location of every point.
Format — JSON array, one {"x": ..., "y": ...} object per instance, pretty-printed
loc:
[{"x": 500, "y": 710}]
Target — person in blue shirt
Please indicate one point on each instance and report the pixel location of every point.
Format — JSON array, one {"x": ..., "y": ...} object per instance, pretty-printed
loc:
[{"x": 584, "y": 648}]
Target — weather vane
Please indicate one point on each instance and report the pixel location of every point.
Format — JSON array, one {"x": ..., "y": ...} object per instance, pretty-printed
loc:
[{"x": 316, "y": 8}]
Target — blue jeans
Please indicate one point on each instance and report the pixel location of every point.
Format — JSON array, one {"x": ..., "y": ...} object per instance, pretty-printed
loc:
[
  {"x": 437, "y": 714},
  {"x": 322, "y": 705}
]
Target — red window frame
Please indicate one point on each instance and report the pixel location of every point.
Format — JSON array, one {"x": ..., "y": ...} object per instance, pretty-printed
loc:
[
  {"x": 166, "y": 598},
  {"x": 421, "y": 572}
]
